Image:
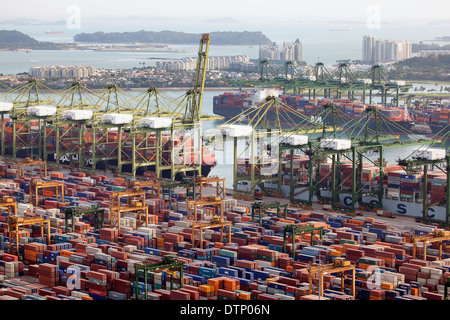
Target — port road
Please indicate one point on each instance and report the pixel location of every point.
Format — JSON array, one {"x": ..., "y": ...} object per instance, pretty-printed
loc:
[{"x": 399, "y": 222}]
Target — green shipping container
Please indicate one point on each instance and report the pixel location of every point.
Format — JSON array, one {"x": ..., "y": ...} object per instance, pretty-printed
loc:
[
  {"x": 265, "y": 258},
  {"x": 341, "y": 241}
]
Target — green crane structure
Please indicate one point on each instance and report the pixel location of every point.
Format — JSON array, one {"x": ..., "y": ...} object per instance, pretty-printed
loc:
[
  {"x": 412, "y": 166},
  {"x": 262, "y": 206},
  {"x": 26, "y": 138},
  {"x": 168, "y": 262},
  {"x": 71, "y": 212},
  {"x": 294, "y": 230},
  {"x": 320, "y": 79},
  {"x": 65, "y": 137}
]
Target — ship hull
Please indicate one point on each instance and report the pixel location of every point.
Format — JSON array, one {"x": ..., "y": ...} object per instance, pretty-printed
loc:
[
  {"x": 439, "y": 129},
  {"x": 398, "y": 207}
]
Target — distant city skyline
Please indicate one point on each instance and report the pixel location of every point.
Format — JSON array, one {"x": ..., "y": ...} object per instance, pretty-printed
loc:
[{"x": 329, "y": 31}]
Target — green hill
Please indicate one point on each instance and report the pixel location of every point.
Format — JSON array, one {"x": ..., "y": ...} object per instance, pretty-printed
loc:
[
  {"x": 12, "y": 39},
  {"x": 433, "y": 67}
]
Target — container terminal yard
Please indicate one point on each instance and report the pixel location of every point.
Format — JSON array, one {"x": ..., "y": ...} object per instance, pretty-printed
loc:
[{"x": 134, "y": 215}]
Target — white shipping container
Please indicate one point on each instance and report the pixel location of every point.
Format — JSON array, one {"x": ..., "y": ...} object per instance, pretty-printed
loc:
[
  {"x": 6, "y": 106},
  {"x": 236, "y": 130},
  {"x": 78, "y": 114},
  {"x": 295, "y": 139},
  {"x": 156, "y": 122},
  {"x": 429, "y": 154},
  {"x": 24, "y": 206},
  {"x": 117, "y": 118},
  {"x": 41, "y": 111},
  {"x": 335, "y": 144}
]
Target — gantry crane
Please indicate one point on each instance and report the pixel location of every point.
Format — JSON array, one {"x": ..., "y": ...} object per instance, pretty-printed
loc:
[
  {"x": 10, "y": 204},
  {"x": 338, "y": 266},
  {"x": 71, "y": 212},
  {"x": 213, "y": 201},
  {"x": 201, "y": 181},
  {"x": 28, "y": 120},
  {"x": 193, "y": 111},
  {"x": 216, "y": 222},
  {"x": 262, "y": 206},
  {"x": 135, "y": 202},
  {"x": 154, "y": 186},
  {"x": 35, "y": 185},
  {"x": 31, "y": 162},
  {"x": 295, "y": 229},
  {"x": 440, "y": 236},
  {"x": 169, "y": 262},
  {"x": 413, "y": 165},
  {"x": 14, "y": 223},
  {"x": 185, "y": 183}
]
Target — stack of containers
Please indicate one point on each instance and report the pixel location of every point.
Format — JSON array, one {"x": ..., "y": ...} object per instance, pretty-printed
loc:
[
  {"x": 325, "y": 174},
  {"x": 370, "y": 177},
  {"x": 438, "y": 188},
  {"x": 394, "y": 181},
  {"x": 48, "y": 274},
  {"x": 410, "y": 186},
  {"x": 97, "y": 284},
  {"x": 346, "y": 170}
]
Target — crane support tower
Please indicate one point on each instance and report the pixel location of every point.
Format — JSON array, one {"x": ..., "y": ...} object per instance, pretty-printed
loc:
[
  {"x": 14, "y": 223},
  {"x": 73, "y": 211},
  {"x": 31, "y": 162},
  {"x": 339, "y": 266},
  {"x": 262, "y": 206},
  {"x": 439, "y": 236},
  {"x": 168, "y": 263},
  {"x": 134, "y": 202},
  {"x": 295, "y": 229},
  {"x": 10, "y": 204},
  {"x": 35, "y": 185}
]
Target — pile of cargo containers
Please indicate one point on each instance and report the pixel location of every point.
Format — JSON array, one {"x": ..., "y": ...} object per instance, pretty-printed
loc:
[
  {"x": 88, "y": 264},
  {"x": 347, "y": 106}
]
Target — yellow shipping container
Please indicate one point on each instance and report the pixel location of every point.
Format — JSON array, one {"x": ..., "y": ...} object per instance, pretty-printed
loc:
[
  {"x": 387, "y": 286},
  {"x": 335, "y": 253},
  {"x": 244, "y": 296},
  {"x": 363, "y": 266},
  {"x": 206, "y": 288}
]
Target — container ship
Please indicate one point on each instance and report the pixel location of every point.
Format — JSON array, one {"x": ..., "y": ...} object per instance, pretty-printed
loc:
[
  {"x": 53, "y": 32},
  {"x": 402, "y": 191},
  {"x": 107, "y": 147},
  {"x": 433, "y": 119},
  {"x": 230, "y": 105}
]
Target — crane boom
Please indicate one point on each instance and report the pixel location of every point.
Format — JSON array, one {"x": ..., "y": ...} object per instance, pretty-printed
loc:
[{"x": 196, "y": 94}]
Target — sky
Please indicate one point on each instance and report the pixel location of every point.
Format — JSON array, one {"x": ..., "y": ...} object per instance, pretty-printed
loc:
[
  {"x": 312, "y": 21},
  {"x": 242, "y": 11}
]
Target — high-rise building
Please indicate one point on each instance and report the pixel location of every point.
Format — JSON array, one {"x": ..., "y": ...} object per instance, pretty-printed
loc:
[
  {"x": 290, "y": 51},
  {"x": 385, "y": 50},
  {"x": 368, "y": 48}
]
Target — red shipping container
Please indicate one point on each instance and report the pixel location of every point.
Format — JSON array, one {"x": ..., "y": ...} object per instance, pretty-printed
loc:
[{"x": 179, "y": 295}]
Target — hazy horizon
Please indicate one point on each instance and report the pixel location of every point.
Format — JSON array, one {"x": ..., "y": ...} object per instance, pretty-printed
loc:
[
  {"x": 382, "y": 18},
  {"x": 328, "y": 30}
]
